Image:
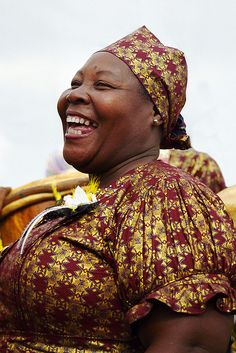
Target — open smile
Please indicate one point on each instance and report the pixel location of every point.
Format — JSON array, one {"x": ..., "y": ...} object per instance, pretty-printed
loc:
[{"x": 79, "y": 126}]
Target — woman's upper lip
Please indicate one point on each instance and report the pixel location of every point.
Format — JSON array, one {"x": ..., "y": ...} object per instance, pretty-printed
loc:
[{"x": 74, "y": 113}]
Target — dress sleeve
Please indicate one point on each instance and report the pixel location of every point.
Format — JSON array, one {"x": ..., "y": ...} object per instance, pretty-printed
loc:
[{"x": 175, "y": 244}]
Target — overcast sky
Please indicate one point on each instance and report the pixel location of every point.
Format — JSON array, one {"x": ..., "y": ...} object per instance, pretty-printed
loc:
[{"x": 44, "y": 42}]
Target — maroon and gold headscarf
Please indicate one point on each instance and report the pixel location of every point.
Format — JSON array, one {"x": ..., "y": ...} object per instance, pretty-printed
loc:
[{"x": 163, "y": 73}]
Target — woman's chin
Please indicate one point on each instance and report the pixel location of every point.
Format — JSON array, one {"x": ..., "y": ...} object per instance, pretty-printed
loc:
[
  {"x": 72, "y": 159},
  {"x": 77, "y": 162}
]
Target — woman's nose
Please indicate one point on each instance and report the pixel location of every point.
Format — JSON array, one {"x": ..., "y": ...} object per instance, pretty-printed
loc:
[{"x": 78, "y": 95}]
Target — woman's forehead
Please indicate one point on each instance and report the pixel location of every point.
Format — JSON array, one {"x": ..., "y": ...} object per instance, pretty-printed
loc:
[{"x": 106, "y": 63}]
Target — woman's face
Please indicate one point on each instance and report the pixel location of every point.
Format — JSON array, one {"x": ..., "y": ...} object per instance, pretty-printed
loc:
[{"x": 106, "y": 117}]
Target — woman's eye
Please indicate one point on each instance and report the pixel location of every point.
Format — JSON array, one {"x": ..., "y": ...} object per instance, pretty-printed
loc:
[
  {"x": 75, "y": 84},
  {"x": 103, "y": 84}
]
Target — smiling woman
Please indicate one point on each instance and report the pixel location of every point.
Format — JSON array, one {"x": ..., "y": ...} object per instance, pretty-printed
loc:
[
  {"x": 148, "y": 263},
  {"x": 105, "y": 94}
]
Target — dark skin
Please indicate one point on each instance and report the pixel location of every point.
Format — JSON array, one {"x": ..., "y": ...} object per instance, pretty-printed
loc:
[
  {"x": 165, "y": 331},
  {"x": 107, "y": 93},
  {"x": 121, "y": 136}
]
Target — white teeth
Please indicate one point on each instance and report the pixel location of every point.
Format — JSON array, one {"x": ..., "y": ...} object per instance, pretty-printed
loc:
[
  {"x": 74, "y": 131},
  {"x": 72, "y": 119},
  {"x": 77, "y": 120}
]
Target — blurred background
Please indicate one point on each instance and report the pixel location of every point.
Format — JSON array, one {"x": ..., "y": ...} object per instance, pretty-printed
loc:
[{"x": 44, "y": 42}]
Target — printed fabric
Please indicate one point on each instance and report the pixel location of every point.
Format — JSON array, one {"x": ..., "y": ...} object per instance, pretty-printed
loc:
[
  {"x": 156, "y": 234},
  {"x": 200, "y": 165}
]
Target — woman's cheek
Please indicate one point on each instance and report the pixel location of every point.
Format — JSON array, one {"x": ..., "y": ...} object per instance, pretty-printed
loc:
[{"x": 62, "y": 103}]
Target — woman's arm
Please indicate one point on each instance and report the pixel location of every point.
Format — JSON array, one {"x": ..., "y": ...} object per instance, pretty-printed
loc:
[{"x": 165, "y": 331}]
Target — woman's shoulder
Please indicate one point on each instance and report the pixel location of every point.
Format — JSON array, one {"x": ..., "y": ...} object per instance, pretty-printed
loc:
[
  {"x": 178, "y": 187},
  {"x": 159, "y": 182},
  {"x": 155, "y": 175},
  {"x": 160, "y": 175}
]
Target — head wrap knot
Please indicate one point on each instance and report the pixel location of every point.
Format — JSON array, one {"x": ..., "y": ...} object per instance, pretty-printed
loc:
[{"x": 162, "y": 71}]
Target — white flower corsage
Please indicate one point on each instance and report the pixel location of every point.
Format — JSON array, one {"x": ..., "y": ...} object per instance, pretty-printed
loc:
[{"x": 79, "y": 197}]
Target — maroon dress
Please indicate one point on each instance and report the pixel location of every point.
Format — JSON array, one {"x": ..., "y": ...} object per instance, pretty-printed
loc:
[{"x": 79, "y": 285}]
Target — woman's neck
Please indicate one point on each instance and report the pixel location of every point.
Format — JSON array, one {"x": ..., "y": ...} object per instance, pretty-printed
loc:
[{"x": 122, "y": 168}]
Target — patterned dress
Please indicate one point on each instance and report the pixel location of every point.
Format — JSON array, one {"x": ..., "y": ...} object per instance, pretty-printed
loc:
[{"x": 80, "y": 283}]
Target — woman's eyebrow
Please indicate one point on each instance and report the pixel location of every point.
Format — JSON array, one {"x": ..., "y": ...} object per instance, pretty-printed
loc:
[
  {"x": 110, "y": 74},
  {"x": 78, "y": 73}
]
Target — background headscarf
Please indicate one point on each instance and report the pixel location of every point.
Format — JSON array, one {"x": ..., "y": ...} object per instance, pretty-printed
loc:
[{"x": 162, "y": 71}]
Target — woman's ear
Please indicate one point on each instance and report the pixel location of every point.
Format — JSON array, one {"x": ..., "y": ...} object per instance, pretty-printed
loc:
[{"x": 157, "y": 121}]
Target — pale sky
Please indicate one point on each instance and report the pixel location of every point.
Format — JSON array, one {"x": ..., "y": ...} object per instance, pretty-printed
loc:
[{"x": 44, "y": 42}]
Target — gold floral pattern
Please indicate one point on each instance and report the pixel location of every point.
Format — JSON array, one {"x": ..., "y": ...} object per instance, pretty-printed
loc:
[
  {"x": 156, "y": 234},
  {"x": 200, "y": 165}
]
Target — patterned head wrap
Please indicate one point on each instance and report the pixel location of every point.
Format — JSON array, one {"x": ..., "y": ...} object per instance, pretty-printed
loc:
[{"x": 163, "y": 73}]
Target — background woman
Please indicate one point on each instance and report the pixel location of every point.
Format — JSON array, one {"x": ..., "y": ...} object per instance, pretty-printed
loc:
[{"x": 198, "y": 164}]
